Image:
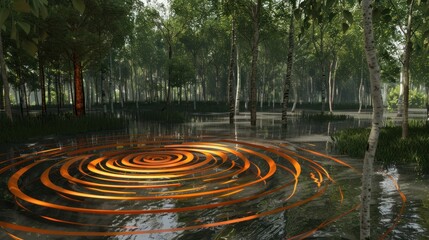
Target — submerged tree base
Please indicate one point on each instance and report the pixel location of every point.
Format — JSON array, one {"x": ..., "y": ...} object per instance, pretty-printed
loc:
[{"x": 391, "y": 149}]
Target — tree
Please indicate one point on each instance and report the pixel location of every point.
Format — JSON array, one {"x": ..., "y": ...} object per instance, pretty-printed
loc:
[
  {"x": 377, "y": 117},
  {"x": 290, "y": 55},
  {"x": 255, "y": 9},
  {"x": 11, "y": 16}
]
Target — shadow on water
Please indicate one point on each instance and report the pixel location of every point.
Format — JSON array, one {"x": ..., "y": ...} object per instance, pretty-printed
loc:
[{"x": 307, "y": 195}]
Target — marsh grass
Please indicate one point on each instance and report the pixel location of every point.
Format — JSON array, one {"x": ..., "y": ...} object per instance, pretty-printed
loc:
[{"x": 391, "y": 148}]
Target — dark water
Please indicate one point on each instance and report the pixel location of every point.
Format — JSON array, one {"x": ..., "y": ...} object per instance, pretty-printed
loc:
[{"x": 203, "y": 180}]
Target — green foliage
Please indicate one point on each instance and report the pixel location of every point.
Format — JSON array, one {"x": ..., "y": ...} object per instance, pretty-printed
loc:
[
  {"x": 391, "y": 148},
  {"x": 417, "y": 98},
  {"x": 37, "y": 126}
]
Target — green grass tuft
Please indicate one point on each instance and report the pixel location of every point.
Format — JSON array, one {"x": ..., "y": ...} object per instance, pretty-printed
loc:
[{"x": 391, "y": 148}]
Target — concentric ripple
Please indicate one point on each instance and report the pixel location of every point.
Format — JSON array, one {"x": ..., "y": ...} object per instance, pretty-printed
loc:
[{"x": 106, "y": 189}]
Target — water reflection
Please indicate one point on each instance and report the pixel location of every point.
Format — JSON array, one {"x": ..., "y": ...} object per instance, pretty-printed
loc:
[{"x": 244, "y": 183}]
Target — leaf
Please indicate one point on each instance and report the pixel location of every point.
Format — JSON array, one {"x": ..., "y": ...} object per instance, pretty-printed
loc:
[
  {"x": 24, "y": 26},
  {"x": 79, "y": 5},
  {"x": 13, "y": 34},
  {"x": 29, "y": 47},
  {"x": 4, "y": 13},
  {"x": 345, "y": 27},
  {"x": 329, "y": 4},
  {"x": 21, "y": 6},
  {"x": 426, "y": 34},
  {"x": 43, "y": 12},
  {"x": 348, "y": 16}
]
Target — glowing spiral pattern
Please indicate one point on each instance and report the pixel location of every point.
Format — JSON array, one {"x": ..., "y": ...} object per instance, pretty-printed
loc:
[{"x": 98, "y": 189}]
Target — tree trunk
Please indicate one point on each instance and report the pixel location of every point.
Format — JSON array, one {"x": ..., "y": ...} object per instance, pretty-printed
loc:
[
  {"x": 1, "y": 96},
  {"x": 295, "y": 98},
  {"x": 42, "y": 82},
  {"x": 377, "y": 116},
  {"x": 237, "y": 90},
  {"x": 58, "y": 91},
  {"x": 406, "y": 72},
  {"x": 7, "y": 105},
  {"x": 256, "y": 12},
  {"x": 111, "y": 82},
  {"x": 231, "y": 72},
  {"x": 79, "y": 97},
  {"x": 287, "y": 81},
  {"x": 331, "y": 83},
  {"x": 170, "y": 73},
  {"x": 361, "y": 89}
]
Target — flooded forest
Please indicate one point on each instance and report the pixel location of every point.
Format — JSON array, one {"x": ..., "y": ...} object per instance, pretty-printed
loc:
[{"x": 214, "y": 119}]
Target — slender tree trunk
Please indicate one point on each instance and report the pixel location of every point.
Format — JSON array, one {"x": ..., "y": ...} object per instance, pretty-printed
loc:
[
  {"x": 1, "y": 96},
  {"x": 361, "y": 89},
  {"x": 377, "y": 117},
  {"x": 331, "y": 83},
  {"x": 237, "y": 90},
  {"x": 7, "y": 104},
  {"x": 427, "y": 104},
  {"x": 231, "y": 72},
  {"x": 42, "y": 82},
  {"x": 406, "y": 71},
  {"x": 170, "y": 73},
  {"x": 111, "y": 82},
  {"x": 295, "y": 98},
  {"x": 57, "y": 91},
  {"x": 79, "y": 97},
  {"x": 256, "y": 12},
  {"x": 49, "y": 89},
  {"x": 287, "y": 81}
]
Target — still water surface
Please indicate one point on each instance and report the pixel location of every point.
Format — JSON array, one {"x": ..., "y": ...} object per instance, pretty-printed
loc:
[{"x": 203, "y": 180}]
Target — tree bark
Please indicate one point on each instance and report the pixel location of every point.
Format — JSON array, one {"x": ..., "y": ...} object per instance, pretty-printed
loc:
[
  {"x": 287, "y": 81},
  {"x": 231, "y": 72},
  {"x": 7, "y": 105},
  {"x": 361, "y": 89},
  {"x": 406, "y": 71},
  {"x": 238, "y": 88},
  {"x": 79, "y": 97},
  {"x": 377, "y": 116},
  {"x": 256, "y": 12},
  {"x": 1, "y": 96},
  {"x": 42, "y": 82}
]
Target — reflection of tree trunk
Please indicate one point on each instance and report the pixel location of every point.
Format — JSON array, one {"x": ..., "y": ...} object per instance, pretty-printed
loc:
[
  {"x": 79, "y": 97},
  {"x": 231, "y": 73},
  {"x": 406, "y": 72},
  {"x": 7, "y": 105},
  {"x": 377, "y": 116},
  {"x": 256, "y": 12},
  {"x": 287, "y": 81}
]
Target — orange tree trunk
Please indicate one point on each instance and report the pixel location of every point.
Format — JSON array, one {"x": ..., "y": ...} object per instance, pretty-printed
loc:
[{"x": 79, "y": 96}]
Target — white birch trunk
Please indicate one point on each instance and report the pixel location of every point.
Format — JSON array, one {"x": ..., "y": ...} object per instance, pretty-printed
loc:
[
  {"x": 377, "y": 116},
  {"x": 237, "y": 91}
]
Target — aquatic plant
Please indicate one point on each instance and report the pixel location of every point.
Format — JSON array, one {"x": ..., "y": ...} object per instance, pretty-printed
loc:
[{"x": 391, "y": 149}]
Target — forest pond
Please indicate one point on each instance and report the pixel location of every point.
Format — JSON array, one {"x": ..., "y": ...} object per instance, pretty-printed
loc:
[{"x": 203, "y": 180}]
